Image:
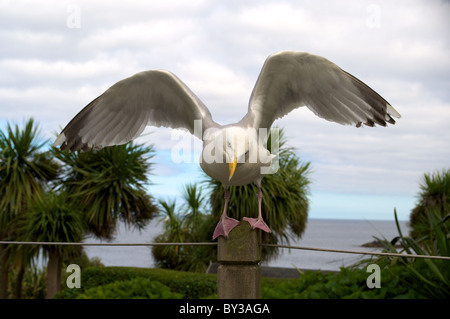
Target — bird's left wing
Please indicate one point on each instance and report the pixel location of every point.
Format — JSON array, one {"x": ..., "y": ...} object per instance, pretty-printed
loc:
[
  {"x": 292, "y": 79},
  {"x": 120, "y": 114}
]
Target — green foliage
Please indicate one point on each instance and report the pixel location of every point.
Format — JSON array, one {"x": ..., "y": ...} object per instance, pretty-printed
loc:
[
  {"x": 110, "y": 184},
  {"x": 429, "y": 277},
  {"x": 349, "y": 283},
  {"x": 434, "y": 194},
  {"x": 25, "y": 174},
  {"x": 24, "y": 170},
  {"x": 33, "y": 283},
  {"x": 346, "y": 284},
  {"x": 137, "y": 288},
  {"x": 54, "y": 219},
  {"x": 40, "y": 200},
  {"x": 188, "y": 285},
  {"x": 82, "y": 260},
  {"x": 433, "y": 275},
  {"x": 185, "y": 224}
]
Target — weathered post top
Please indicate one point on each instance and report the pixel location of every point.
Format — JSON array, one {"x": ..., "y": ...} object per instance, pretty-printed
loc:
[
  {"x": 239, "y": 273},
  {"x": 241, "y": 246}
]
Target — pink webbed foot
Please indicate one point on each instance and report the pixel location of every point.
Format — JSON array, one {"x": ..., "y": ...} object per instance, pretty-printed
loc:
[
  {"x": 225, "y": 225},
  {"x": 258, "y": 223}
]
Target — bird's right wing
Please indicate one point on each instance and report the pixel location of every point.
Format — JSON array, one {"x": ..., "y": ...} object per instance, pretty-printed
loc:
[
  {"x": 292, "y": 79},
  {"x": 120, "y": 114}
]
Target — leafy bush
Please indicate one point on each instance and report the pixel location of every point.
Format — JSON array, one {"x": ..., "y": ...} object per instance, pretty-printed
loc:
[
  {"x": 189, "y": 285},
  {"x": 122, "y": 282},
  {"x": 429, "y": 277},
  {"x": 33, "y": 283},
  {"x": 188, "y": 222},
  {"x": 137, "y": 288},
  {"x": 346, "y": 284},
  {"x": 401, "y": 277}
]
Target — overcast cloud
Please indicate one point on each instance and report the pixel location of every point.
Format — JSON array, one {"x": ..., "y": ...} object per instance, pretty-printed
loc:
[{"x": 57, "y": 56}]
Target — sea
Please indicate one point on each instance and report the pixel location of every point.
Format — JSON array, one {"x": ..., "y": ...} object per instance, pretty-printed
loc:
[{"x": 320, "y": 233}]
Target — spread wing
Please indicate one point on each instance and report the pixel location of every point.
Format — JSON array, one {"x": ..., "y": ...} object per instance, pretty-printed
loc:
[
  {"x": 120, "y": 114},
  {"x": 291, "y": 79}
]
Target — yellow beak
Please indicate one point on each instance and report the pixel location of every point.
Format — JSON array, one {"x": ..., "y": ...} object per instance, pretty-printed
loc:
[{"x": 231, "y": 168}]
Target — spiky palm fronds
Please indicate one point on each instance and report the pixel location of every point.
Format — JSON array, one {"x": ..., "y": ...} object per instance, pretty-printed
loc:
[
  {"x": 434, "y": 195},
  {"x": 109, "y": 185}
]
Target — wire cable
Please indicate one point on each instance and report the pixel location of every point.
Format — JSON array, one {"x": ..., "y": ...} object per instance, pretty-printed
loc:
[
  {"x": 215, "y": 244},
  {"x": 358, "y": 252}
]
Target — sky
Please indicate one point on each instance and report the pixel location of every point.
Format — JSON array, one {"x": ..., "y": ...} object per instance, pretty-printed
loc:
[{"x": 57, "y": 56}]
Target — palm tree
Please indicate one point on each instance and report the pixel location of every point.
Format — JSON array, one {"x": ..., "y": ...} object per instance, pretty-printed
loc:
[
  {"x": 109, "y": 185},
  {"x": 193, "y": 202},
  {"x": 25, "y": 172},
  {"x": 168, "y": 256},
  {"x": 54, "y": 218},
  {"x": 188, "y": 223},
  {"x": 434, "y": 196},
  {"x": 285, "y": 198}
]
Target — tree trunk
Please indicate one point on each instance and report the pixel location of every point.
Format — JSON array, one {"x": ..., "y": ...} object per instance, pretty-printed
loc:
[
  {"x": 53, "y": 274},
  {"x": 19, "y": 280},
  {"x": 3, "y": 272}
]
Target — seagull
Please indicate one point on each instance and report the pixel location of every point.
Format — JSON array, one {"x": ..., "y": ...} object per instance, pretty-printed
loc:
[{"x": 234, "y": 154}]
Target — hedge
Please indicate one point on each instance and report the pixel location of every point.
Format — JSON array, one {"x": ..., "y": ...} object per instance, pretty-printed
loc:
[
  {"x": 125, "y": 282},
  {"x": 188, "y": 285}
]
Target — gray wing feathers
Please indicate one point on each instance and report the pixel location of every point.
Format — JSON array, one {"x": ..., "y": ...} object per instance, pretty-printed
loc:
[
  {"x": 156, "y": 98},
  {"x": 289, "y": 80}
]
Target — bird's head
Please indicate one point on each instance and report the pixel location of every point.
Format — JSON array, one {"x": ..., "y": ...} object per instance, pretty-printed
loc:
[{"x": 238, "y": 144}]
